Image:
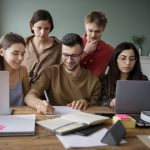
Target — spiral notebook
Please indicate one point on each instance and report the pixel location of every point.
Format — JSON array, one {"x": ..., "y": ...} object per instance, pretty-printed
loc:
[{"x": 17, "y": 125}]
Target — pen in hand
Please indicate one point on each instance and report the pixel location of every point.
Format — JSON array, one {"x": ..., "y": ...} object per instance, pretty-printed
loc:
[{"x": 47, "y": 99}]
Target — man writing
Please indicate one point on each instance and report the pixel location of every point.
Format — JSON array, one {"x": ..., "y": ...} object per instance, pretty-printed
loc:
[
  {"x": 97, "y": 53},
  {"x": 66, "y": 84}
]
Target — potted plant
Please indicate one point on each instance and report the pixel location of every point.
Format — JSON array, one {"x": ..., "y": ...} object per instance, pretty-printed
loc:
[{"x": 139, "y": 40}]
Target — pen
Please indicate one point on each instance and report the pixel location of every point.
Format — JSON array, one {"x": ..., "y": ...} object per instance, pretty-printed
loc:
[
  {"x": 47, "y": 99},
  {"x": 46, "y": 96}
]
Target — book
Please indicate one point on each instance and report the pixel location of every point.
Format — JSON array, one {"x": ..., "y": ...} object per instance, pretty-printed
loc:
[
  {"x": 125, "y": 119},
  {"x": 71, "y": 122},
  {"x": 17, "y": 125}
]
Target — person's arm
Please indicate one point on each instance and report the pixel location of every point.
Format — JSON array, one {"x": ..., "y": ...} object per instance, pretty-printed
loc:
[
  {"x": 96, "y": 93},
  {"x": 25, "y": 79},
  {"x": 32, "y": 99},
  {"x": 83, "y": 104},
  {"x": 112, "y": 103},
  {"x": 90, "y": 46},
  {"x": 80, "y": 104}
]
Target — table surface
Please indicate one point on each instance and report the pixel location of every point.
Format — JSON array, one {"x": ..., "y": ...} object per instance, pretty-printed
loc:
[{"x": 45, "y": 140}]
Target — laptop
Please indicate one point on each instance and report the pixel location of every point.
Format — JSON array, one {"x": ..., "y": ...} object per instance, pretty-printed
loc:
[
  {"x": 132, "y": 97},
  {"x": 4, "y": 93}
]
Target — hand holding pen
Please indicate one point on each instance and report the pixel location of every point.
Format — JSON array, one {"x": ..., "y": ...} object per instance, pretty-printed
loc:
[
  {"x": 44, "y": 106},
  {"x": 50, "y": 108}
]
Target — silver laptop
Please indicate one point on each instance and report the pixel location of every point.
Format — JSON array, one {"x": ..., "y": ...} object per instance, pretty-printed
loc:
[
  {"x": 132, "y": 96},
  {"x": 4, "y": 93}
]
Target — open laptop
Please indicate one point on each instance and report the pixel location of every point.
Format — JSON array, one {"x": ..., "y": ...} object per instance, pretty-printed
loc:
[
  {"x": 132, "y": 97},
  {"x": 4, "y": 93}
]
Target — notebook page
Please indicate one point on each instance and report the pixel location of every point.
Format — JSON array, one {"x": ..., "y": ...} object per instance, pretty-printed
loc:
[
  {"x": 86, "y": 118},
  {"x": 53, "y": 124},
  {"x": 17, "y": 124},
  {"x": 62, "y": 110}
]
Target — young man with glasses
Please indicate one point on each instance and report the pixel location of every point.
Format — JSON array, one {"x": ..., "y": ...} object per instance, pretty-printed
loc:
[{"x": 66, "y": 84}]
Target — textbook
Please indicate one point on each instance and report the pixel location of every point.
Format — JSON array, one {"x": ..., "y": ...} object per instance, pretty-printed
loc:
[
  {"x": 71, "y": 122},
  {"x": 17, "y": 125}
]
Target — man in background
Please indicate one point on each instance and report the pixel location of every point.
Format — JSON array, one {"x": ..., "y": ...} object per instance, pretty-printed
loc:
[{"x": 97, "y": 53}]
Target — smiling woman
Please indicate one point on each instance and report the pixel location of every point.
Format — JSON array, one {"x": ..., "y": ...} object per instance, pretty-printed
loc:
[{"x": 12, "y": 50}]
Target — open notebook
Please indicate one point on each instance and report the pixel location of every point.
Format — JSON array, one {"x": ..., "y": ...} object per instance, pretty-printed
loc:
[
  {"x": 17, "y": 125},
  {"x": 71, "y": 122}
]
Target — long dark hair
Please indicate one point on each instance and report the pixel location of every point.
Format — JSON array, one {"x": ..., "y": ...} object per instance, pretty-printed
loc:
[
  {"x": 114, "y": 72},
  {"x": 6, "y": 41}
]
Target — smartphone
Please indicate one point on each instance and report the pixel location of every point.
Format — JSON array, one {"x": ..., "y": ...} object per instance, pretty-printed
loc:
[
  {"x": 89, "y": 130},
  {"x": 105, "y": 114}
]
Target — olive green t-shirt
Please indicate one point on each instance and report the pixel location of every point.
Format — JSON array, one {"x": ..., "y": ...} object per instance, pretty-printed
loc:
[{"x": 62, "y": 88}]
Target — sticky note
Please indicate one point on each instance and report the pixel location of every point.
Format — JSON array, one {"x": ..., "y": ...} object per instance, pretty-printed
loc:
[
  {"x": 126, "y": 120},
  {"x": 1, "y": 127},
  {"x": 123, "y": 116}
]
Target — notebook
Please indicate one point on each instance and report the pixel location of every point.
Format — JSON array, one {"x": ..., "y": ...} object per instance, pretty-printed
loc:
[
  {"x": 71, "y": 122},
  {"x": 132, "y": 96},
  {"x": 17, "y": 125},
  {"x": 4, "y": 93}
]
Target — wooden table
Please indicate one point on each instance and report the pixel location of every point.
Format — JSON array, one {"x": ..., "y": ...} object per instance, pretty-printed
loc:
[{"x": 45, "y": 140}]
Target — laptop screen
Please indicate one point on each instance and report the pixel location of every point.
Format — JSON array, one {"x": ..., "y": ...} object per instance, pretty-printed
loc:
[{"x": 132, "y": 96}]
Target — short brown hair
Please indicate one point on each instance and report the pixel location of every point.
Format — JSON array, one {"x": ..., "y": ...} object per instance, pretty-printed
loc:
[{"x": 96, "y": 17}]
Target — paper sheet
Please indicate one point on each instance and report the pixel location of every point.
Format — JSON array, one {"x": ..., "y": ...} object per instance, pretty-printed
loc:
[
  {"x": 145, "y": 139},
  {"x": 62, "y": 110},
  {"x": 73, "y": 140}
]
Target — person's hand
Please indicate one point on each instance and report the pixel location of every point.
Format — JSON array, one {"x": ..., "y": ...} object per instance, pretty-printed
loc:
[
  {"x": 90, "y": 46},
  {"x": 112, "y": 102},
  {"x": 45, "y": 107},
  {"x": 81, "y": 104}
]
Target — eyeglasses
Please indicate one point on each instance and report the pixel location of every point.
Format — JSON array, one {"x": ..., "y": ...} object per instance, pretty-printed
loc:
[
  {"x": 72, "y": 56},
  {"x": 131, "y": 59}
]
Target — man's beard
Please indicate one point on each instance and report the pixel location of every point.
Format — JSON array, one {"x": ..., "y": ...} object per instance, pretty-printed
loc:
[{"x": 72, "y": 68}]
